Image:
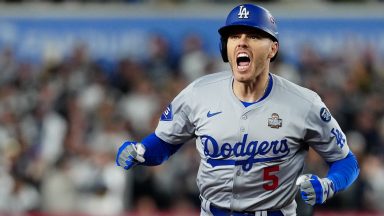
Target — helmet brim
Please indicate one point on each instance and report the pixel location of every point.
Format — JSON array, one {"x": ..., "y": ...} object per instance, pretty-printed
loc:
[{"x": 228, "y": 29}]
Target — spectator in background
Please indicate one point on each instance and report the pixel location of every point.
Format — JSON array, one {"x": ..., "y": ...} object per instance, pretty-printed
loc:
[
  {"x": 373, "y": 174},
  {"x": 161, "y": 64},
  {"x": 194, "y": 61},
  {"x": 57, "y": 180},
  {"x": 129, "y": 72},
  {"x": 8, "y": 65},
  {"x": 286, "y": 70}
]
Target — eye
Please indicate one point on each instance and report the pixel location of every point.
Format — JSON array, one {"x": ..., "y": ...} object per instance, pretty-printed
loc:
[
  {"x": 235, "y": 36},
  {"x": 255, "y": 36}
]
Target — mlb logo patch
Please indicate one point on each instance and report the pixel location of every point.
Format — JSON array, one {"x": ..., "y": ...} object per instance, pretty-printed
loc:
[
  {"x": 325, "y": 115},
  {"x": 167, "y": 114}
]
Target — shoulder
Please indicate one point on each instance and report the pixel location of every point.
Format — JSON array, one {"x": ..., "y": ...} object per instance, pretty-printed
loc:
[
  {"x": 294, "y": 91},
  {"x": 212, "y": 79},
  {"x": 208, "y": 84}
]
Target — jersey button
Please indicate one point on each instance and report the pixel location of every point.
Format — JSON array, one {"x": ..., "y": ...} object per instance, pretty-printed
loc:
[
  {"x": 242, "y": 129},
  {"x": 238, "y": 172},
  {"x": 244, "y": 117}
]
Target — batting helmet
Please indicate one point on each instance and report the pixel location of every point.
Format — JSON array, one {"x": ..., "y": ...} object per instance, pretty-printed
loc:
[{"x": 251, "y": 16}]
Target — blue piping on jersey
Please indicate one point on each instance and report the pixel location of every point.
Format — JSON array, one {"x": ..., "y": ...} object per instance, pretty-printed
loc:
[
  {"x": 266, "y": 93},
  {"x": 245, "y": 164},
  {"x": 343, "y": 172},
  {"x": 156, "y": 150}
]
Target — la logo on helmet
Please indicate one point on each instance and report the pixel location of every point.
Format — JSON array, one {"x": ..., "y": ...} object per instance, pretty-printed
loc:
[{"x": 243, "y": 13}]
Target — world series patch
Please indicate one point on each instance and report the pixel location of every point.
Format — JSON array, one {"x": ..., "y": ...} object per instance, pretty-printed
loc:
[{"x": 275, "y": 121}]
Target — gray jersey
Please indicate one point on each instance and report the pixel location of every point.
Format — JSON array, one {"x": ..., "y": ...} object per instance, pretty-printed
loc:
[{"x": 251, "y": 156}]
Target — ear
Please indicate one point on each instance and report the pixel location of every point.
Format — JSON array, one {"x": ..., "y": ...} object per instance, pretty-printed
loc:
[
  {"x": 223, "y": 49},
  {"x": 274, "y": 49}
]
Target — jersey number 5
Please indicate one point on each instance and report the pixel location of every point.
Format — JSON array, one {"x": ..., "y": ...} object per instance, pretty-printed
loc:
[{"x": 270, "y": 176}]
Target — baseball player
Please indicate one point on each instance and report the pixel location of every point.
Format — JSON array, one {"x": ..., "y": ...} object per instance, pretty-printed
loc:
[{"x": 253, "y": 129}]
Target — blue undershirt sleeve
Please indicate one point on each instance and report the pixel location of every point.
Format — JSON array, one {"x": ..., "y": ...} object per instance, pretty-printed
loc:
[
  {"x": 343, "y": 172},
  {"x": 156, "y": 150}
]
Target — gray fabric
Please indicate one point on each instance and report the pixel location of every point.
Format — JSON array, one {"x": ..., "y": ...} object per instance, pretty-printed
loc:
[{"x": 264, "y": 145}]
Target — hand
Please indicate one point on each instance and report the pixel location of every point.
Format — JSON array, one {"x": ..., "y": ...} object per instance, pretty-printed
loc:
[
  {"x": 130, "y": 154},
  {"x": 315, "y": 190}
]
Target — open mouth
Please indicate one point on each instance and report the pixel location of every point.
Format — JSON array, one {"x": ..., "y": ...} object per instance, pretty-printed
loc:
[{"x": 243, "y": 61}]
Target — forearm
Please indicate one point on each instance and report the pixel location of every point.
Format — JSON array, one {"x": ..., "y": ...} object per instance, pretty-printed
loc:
[
  {"x": 343, "y": 172},
  {"x": 156, "y": 150}
]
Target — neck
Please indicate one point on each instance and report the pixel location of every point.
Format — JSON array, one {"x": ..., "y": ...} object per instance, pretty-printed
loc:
[{"x": 251, "y": 91}]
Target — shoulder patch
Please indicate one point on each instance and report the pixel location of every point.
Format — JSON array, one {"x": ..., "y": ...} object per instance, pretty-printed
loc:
[
  {"x": 167, "y": 114},
  {"x": 325, "y": 115}
]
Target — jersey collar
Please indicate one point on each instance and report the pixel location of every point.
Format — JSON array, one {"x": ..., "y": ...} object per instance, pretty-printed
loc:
[{"x": 265, "y": 95}]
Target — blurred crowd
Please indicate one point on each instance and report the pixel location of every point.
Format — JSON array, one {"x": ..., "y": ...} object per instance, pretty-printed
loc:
[
  {"x": 62, "y": 121},
  {"x": 176, "y": 1}
]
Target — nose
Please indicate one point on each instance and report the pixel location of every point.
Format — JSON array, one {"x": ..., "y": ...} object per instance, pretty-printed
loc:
[{"x": 243, "y": 41}]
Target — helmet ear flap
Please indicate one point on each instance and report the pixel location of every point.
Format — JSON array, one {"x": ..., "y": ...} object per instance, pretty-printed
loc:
[{"x": 223, "y": 48}]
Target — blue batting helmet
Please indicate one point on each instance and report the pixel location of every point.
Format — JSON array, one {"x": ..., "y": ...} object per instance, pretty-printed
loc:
[{"x": 251, "y": 16}]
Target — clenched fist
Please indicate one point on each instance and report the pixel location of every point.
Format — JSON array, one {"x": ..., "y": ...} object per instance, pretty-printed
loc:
[
  {"x": 130, "y": 154},
  {"x": 315, "y": 190}
]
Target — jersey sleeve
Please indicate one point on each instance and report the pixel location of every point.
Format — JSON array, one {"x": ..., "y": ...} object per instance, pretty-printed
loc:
[
  {"x": 324, "y": 134},
  {"x": 175, "y": 126}
]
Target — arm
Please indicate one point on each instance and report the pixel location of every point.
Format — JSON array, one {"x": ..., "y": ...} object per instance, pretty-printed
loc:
[
  {"x": 174, "y": 127},
  {"x": 157, "y": 150},
  {"x": 324, "y": 135},
  {"x": 342, "y": 174}
]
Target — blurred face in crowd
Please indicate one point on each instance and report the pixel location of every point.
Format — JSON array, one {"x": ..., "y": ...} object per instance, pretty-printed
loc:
[{"x": 249, "y": 53}]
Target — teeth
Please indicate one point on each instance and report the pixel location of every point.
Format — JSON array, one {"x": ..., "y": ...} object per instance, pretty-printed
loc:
[{"x": 242, "y": 55}]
